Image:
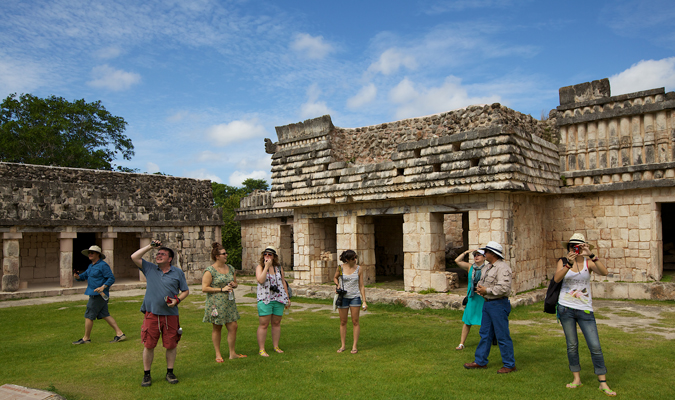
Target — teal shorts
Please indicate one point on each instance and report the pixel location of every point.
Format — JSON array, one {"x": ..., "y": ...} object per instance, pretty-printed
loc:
[{"x": 274, "y": 307}]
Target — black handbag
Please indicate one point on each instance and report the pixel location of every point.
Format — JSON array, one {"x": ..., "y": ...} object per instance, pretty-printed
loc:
[
  {"x": 465, "y": 300},
  {"x": 552, "y": 293}
]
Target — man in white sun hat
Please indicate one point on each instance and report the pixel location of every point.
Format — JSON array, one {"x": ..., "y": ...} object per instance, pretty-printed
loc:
[
  {"x": 99, "y": 278},
  {"x": 495, "y": 286}
]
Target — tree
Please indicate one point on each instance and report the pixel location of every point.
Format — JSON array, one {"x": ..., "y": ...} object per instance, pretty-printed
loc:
[
  {"x": 228, "y": 197},
  {"x": 54, "y": 131}
]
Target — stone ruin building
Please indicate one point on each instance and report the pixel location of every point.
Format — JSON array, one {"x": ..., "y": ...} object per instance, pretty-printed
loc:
[
  {"x": 50, "y": 214},
  {"x": 402, "y": 193}
]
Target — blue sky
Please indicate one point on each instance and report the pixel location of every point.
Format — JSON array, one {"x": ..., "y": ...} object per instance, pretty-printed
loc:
[{"x": 202, "y": 83}]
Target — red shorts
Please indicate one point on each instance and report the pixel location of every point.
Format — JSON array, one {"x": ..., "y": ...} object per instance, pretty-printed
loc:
[{"x": 156, "y": 325}]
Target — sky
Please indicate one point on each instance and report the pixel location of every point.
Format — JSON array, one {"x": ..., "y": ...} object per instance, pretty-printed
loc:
[{"x": 201, "y": 83}]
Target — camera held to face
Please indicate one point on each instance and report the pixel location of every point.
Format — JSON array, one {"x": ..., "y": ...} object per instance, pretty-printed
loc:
[{"x": 577, "y": 249}]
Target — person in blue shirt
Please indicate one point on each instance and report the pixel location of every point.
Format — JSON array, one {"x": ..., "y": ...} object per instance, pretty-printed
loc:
[
  {"x": 99, "y": 278},
  {"x": 166, "y": 288}
]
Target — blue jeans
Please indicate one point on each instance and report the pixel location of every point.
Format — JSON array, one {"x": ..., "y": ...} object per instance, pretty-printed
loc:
[
  {"x": 495, "y": 322},
  {"x": 569, "y": 318}
]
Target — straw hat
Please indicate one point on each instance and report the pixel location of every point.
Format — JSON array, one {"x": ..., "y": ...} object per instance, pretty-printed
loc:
[
  {"x": 271, "y": 249},
  {"x": 577, "y": 239},
  {"x": 96, "y": 249}
]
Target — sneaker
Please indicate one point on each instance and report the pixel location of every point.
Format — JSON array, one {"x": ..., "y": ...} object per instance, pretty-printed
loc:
[
  {"x": 147, "y": 381},
  {"x": 82, "y": 341},
  {"x": 171, "y": 378},
  {"x": 118, "y": 338}
]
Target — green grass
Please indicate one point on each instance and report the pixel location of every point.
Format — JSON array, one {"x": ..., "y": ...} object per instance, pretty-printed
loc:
[
  {"x": 668, "y": 276},
  {"x": 404, "y": 354}
]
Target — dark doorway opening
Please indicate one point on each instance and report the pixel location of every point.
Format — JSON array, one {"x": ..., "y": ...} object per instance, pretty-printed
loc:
[
  {"x": 388, "y": 248},
  {"x": 668, "y": 235},
  {"x": 81, "y": 242}
]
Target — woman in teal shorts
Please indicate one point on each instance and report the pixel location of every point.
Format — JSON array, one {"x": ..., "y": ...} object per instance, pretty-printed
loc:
[
  {"x": 473, "y": 311},
  {"x": 272, "y": 298}
]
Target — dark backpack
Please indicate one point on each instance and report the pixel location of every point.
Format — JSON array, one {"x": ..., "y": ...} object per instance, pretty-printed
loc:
[{"x": 552, "y": 294}]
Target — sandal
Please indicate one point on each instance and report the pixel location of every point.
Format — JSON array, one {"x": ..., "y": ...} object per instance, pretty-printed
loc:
[
  {"x": 263, "y": 353},
  {"x": 354, "y": 351},
  {"x": 574, "y": 385},
  {"x": 239, "y": 356},
  {"x": 341, "y": 349},
  {"x": 460, "y": 347},
  {"x": 219, "y": 360},
  {"x": 278, "y": 350},
  {"x": 607, "y": 391}
]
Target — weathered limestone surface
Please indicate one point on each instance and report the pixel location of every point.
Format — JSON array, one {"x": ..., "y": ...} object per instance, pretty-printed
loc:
[
  {"x": 48, "y": 206},
  {"x": 600, "y": 165},
  {"x": 42, "y": 195}
]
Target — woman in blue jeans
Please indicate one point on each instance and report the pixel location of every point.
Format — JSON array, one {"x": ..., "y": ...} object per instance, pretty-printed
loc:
[
  {"x": 349, "y": 277},
  {"x": 575, "y": 306}
]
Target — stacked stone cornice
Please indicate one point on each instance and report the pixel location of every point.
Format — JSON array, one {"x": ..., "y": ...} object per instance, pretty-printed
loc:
[
  {"x": 610, "y": 143},
  {"x": 494, "y": 156},
  {"x": 35, "y": 195}
]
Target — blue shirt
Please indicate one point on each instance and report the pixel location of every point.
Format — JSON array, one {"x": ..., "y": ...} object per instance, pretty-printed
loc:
[
  {"x": 97, "y": 275},
  {"x": 160, "y": 285}
]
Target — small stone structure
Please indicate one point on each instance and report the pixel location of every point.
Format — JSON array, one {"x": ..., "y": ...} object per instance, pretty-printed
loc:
[
  {"x": 49, "y": 214},
  {"x": 402, "y": 193}
]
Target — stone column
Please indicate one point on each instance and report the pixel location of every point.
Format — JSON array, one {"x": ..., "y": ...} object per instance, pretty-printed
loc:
[
  {"x": 145, "y": 240},
  {"x": 424, "y": 251},
  {"x": 358, "y": 234},
  {"x": 108, "y": 248},
  {"x": 66, "y": 258},
  {"x": 11, "y": 261}
]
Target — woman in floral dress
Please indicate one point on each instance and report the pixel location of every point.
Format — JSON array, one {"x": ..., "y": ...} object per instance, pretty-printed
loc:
[
  {"x": 575, "y": 306},
  {"x": 219, "y": 282}
]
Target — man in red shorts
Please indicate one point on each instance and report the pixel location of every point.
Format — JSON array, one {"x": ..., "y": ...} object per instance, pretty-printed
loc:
[{"x": 166, "y": 288}]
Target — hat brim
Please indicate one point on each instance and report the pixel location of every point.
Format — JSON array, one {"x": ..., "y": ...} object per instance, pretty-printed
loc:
[
  {"x": 495, "y": 251},
  {"x": 86, "y": 253}
]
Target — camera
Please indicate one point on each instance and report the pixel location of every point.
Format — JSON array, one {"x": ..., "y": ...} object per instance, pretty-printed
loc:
[
  {"x": 341, "y": 292},
  {"x": 274, "y": 288},
  {"x": 577, "y": 249}
]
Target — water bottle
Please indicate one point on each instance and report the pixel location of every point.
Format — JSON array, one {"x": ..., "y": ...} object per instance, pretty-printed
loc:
[
  {"x": 230, "y": 295},
  {"x": 105, "y": 296}
]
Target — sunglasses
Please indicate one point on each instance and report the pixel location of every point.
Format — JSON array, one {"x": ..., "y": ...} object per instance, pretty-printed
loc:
[
  {"x": 222, "y": 254},
  {"x": 268, "y": 254}
]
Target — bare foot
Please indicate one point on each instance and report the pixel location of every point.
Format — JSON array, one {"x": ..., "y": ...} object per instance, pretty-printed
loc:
[
  {"x": 238, "y": 356},
  {"x": 354, "y": 351},
  {"x": 341, "y": 349}
]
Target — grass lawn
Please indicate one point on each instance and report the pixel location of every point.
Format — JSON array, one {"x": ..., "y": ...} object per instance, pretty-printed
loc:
[{"x": 403, "y": 354}]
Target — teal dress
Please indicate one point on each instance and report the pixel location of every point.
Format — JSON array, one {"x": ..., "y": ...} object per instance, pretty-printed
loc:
[
  {"x": 219, "y": 310},
  {"x": 473, "y": 311}
]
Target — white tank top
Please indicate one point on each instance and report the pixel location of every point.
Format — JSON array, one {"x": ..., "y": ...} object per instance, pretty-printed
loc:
[
  {"x": 576, "y": 289},
  {"x": 351, "y": 283}
]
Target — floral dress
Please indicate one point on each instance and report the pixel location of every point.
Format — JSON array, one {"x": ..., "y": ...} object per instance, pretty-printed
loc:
[{"x": 219, "y": 310}]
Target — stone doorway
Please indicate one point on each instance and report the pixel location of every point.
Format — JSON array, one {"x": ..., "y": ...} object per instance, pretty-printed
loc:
[
  {"x": 286, "y": 246},
  {"x": 456, "y": 230},
  {"x": 84, "y": 240},
  {"x": 388, "y": 248},
  {"x": 668, "y": 236}
]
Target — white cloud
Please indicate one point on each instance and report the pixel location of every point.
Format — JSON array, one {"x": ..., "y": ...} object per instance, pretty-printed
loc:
[
  {"x": 451, "y": 95},
  {"x": 235, "y": 131},
  {"x": 364, "y": 96},
  {"x": 646, "y": 74},
  {"x": 313, "y": 107},
  {"x": 202, "y": 173},
  {"x": 255, "y": 162},
  {"x": 391, "y": 60},
  {"x": 19, "y": 76},
  {"x": 314, "y": 47},
  {"x": 107, "y": 77},
  {"x": 151, "y": 167},
  {"x": 238, "y": 177},
  {"x": 109, "y": 52}
]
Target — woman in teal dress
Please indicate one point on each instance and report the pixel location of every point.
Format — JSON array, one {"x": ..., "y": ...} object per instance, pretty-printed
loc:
[
  {"x": 219, "y": 282},
  {"x": 474, "y": 306}
]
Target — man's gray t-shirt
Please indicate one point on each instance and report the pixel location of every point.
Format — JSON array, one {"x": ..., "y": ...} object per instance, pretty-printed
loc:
[{"x": 160, "y": 285}]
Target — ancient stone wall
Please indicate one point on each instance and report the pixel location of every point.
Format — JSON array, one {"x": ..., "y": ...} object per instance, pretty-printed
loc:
[
  {"x": 256, "y": 234},
  {"x": 625, "y": 227},
  {"x": 41, "y": 195},
  {"x": 39, "y": 258},
  {"x": 377, "y": 143}
]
